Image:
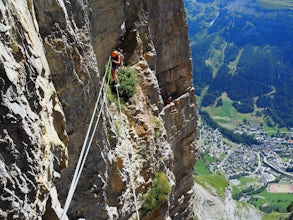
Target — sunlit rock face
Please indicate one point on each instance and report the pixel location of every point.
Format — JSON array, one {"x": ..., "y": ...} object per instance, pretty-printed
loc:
[
  {"x": 53, "y": 57},
  {"x": 33, "y": 135}
]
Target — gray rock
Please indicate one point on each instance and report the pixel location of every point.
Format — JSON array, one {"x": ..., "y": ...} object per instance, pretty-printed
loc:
[{"x": 52, "y": 67}]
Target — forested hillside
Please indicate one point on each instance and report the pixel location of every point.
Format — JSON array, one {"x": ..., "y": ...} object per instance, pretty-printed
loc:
[{"x": 244, "y": 48}]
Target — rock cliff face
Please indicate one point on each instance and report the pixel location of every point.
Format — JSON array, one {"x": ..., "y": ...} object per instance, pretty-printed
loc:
[
  {"x": 52, "y": 59},
  {"x": 210, "y": 206}
]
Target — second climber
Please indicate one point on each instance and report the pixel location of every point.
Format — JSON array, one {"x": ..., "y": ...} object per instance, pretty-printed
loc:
[{"x": 116, "y": 62}]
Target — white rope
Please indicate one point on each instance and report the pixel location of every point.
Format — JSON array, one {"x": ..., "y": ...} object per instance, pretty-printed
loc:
[
  {"x": 132, "y": 185},
  {"x": 88, "y": 148},
  {"x": 118, "y": 100},
  {"x": 78, "y": 169},
  {"x": 91, "y": 139},
  {"x": 130, "y": 173}
]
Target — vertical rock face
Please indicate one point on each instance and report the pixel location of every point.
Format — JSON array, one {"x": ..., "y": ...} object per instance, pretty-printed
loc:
[
  {"x": 168, "y": 29},
  {"x": 33, "y": 128},
  {"x": 53, "y": 56}
]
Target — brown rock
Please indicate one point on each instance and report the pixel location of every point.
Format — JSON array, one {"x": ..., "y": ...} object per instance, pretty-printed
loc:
[{"x": 53, "y": 56}]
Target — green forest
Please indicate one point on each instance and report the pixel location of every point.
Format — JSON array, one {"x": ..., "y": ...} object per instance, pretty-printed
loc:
[{"x": 245, "y": 53}]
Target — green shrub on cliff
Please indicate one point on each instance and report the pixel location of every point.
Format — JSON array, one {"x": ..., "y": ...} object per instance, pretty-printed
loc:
[
  {"x": 158, "y": 193},
  {"x": 127, "y": 81}
]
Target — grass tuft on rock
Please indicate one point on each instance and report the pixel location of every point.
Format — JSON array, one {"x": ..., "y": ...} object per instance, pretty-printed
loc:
[{"x": 158, "y": 193}]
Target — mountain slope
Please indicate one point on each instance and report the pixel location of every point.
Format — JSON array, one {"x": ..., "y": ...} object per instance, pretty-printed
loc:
[
  {"x": 244, "y": 48},
  {"x": 210, "y": 206}
]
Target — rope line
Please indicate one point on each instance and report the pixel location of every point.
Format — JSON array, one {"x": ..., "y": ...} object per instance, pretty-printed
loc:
[
  {"x": 86, "y": 145},
  {"x": 118, "y": 100},
  {"x": 83, "y": 156},
  {"x": 88, "y": 148},
  {"x": 131, "y": 176},
  {"x": 132, "y": 185}
]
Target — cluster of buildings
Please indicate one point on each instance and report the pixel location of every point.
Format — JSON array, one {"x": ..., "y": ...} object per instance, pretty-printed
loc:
[{"x": 271, "y": 160}]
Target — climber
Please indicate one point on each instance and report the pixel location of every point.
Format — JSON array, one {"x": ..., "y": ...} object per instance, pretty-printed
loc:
[
  {"x": 116, "y": 62},
  {"x": 168, "y": 100}
]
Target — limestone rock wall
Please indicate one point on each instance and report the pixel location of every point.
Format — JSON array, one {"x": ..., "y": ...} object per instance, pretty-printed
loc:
[
  {"x": 168, "y": 29},
  {"x": 53, "y": 57},
  {"x": 33, "y": 136}
]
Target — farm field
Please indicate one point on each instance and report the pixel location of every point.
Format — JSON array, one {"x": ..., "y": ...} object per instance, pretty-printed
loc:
[{"x": 267, "y": 201}]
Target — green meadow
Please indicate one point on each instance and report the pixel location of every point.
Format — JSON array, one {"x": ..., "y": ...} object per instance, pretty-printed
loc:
[
  {"x": 275, "y": 201},
  {"x": 215, "y": 183},
  {"x": 227, "y": 116}
]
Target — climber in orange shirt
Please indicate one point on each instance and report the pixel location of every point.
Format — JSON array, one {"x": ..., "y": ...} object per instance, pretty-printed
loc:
[{"x": 116, "y": 62}]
